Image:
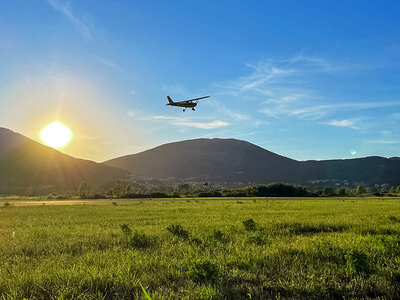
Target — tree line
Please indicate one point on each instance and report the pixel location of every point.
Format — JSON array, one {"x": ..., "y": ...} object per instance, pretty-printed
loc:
[{"x": 123, "y": 189}]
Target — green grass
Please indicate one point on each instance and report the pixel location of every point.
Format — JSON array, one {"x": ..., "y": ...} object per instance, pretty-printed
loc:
[{"x": 292, "y": 249}]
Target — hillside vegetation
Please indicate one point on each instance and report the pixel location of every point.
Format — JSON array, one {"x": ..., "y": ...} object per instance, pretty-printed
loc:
[{"x": 231, "y": 161}]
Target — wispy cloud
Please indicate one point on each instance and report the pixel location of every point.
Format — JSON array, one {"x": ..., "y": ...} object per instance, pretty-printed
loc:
[
  {"x": 67, "y": 12},
  {"x": 288, "y": 88},
  {"x": 109, "y": 63},
  {"x": 303, "y": 110},
  {"x": 234, "y": 115},
  {"x": 205, "y": 125},
  {"x": 267, "y": 77},
  {"x": 341, "y": 123},
  {"x": 314, "y": 63},
  {"x": 167, "y": 118},
  {"x": 262, "y": 75},
  {"x": 177, "y": 121},
  {"x": 386, "y": 142}
]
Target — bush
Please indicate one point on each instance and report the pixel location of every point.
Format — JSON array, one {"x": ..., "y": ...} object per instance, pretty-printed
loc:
[
  {"x": 139, "y": 240},
  {"x": 257, "y": 238},
  {"x": 135, "y": 239},
  {"x": 394, "y": 219},
  {"x": 126, "y": 229},
  {"x": 60, "y": 197},
  {"x": 356, "y": 261},
  {"x": 178, "y": 231},
  {"x": 151, "y": 195},
  {"x": 51, "y": 196},
  {"x": 203, "y": 271},
  {"x": 217, "y": 234},
  {"x": 250, "y": 225},
  {"x": 96, "y": 196}
]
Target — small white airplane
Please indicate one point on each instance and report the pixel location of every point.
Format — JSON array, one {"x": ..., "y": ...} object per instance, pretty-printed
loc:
[{"x": 186, "y": 103}]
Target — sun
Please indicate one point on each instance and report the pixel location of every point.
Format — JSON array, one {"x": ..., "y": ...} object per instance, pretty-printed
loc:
[{"x": 56, "y": 135}]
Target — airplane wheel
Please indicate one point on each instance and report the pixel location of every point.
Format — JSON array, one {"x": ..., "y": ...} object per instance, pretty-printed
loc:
[
  {"x": 193, "y": 109},
  {"x": 183, "y": 110}
]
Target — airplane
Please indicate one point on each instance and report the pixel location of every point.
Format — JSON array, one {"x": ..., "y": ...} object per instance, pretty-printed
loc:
[{"x": 186, "y": 103}]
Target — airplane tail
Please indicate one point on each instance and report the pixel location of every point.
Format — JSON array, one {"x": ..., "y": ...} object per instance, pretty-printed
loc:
[{"x": 170, "y": 100}]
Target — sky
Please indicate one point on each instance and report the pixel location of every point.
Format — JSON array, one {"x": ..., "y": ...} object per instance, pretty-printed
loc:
[{"x": 304, "y": 79}]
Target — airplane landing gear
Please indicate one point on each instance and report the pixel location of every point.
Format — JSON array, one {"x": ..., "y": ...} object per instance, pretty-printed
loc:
[
  {"x": 184, "y": 110},
  {"x": 193, "y": 109}
]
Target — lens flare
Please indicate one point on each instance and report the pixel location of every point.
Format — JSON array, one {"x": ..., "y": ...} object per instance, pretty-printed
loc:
[
  {"x": 353, "y": 152},
  {"x": 56, "y": 135}
]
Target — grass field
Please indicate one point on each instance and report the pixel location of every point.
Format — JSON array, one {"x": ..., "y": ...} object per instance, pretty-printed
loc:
[{"x": 202, "y": 249}]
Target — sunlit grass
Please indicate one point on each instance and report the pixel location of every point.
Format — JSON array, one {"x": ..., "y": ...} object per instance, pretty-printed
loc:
[{"x": 202, "y": 250}]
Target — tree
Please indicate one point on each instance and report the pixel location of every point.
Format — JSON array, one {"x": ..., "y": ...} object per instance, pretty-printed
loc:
[
  {"x": 341, "y": 192},
  {"x": 369, "y": 190},
  {"x": 84, "y": 190},
  {"x": 328, "y": 192},
  {"x": 29, "y": 192},
  {"x": 119, "y": 189},
  {"x": 392, "y": 191},
  {"x": 360, "y": 190},
  {"x": 183, "y": 188},
  {"x": 129, "y": 189}
]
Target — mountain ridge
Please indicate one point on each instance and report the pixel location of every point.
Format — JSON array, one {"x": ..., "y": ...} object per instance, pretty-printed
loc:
[{"x": 203, "y": 159}]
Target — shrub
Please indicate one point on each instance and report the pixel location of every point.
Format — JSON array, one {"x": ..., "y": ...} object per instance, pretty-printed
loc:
[
  {"x": 394, "y": 219},
  {"x": 257, "y": 238},
  {"x": 139, "y": 240},
  {"x": 356, "y": 261},
  {"x": 96, "y": 196},
  {"x": 203, "y": 271},
  {"x": 150, "y": 195},
  {"x": 250, "y": 225},
  {"x": 196, "y": 241},
  {"x": 217, "y": 234},
  {"x": 52, "y": 196},
  {"x": 178, "y": 231},
  {"x": 126, "y": 229},
  {"x": 7, "y": 204},
  {"x": 135, "y": 239}
]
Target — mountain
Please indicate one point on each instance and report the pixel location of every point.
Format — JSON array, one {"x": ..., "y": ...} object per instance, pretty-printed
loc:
[
  {"x": 231, "y": 160},
  {"x": 209, "y": 159},
  {"x": 25, "y": 163},
  {"x": 370, "y": 170}
]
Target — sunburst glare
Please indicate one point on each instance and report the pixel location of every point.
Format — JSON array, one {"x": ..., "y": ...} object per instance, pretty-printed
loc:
[{"x": 56, "y": 135}]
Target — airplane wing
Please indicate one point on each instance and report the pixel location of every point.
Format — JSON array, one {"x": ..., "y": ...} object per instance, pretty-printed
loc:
[{"x": 195, "y": 99}]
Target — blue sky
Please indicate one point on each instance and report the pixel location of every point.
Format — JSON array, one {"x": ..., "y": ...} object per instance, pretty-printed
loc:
[{"x": 304, "y": 79}]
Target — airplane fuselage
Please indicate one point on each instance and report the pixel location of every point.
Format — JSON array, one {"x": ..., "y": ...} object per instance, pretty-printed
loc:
[{"x": 183, "y": 104}]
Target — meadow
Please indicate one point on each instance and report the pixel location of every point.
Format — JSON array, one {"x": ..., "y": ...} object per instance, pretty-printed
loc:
[{"x": 259, "y": 248}]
